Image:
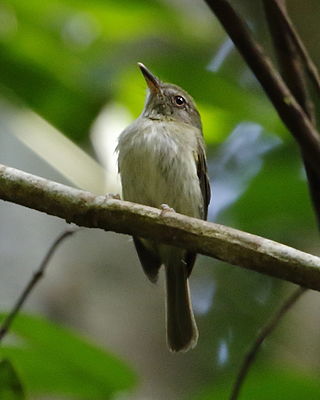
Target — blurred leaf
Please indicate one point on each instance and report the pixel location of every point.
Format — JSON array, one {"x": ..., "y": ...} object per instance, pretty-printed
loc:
[
  {"x": 266, "y": 384},
  {"x": 277, "y": 200},
  {"x": 10, "y": 385},
  {"x": 74, "y": 58},
  {"x": 66, "y": 63},
  {"x": 54, "y": 360}
]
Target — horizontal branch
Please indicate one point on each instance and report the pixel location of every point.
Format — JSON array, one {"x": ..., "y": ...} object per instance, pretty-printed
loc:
[{"x": 218, "y": 241}]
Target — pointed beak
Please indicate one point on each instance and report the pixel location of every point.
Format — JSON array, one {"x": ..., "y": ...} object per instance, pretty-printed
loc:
[{"x": 152, "y": 81}]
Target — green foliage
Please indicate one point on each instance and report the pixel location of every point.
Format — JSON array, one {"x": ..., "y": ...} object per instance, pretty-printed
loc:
[
  {"x": 270, "y": 383},
  {"x": 66, "y": 63},
  {"x": 53, "y": 360},
  {"x": 66, "y": 60},
  {"x": 277, "y": 200},
  {"x": 74, "y": 58},
  {"x": 10, "y": 384}
]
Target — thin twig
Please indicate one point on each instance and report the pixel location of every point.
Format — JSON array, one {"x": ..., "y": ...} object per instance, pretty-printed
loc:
[
  {"x": 6, "y": 324},
  {"x": 308, "y": 62},
  {"x": 287, "y": 54},
  {"x": 264, "y": 332},
  {"x": 294, "y": 76},
  {"x": 275, "y": 87},
  {"x": 284, "y": 102},
  {"x": 293, "y": 72}
]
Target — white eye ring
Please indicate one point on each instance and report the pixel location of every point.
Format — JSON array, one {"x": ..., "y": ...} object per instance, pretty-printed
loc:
[{"x": 179, "y": 101}]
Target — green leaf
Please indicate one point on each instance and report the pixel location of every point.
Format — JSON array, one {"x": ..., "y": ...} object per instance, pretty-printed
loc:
[
  {"x": 10, "y": 385},
  {"x": 65, "y": 63},
  {"x": 54, "y": 360},
  {"x": 277, "y": 200},
  {"x": 266, "y": 384}
]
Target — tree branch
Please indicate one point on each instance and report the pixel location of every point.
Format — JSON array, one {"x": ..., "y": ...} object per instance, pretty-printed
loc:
[
  {"x": 224, "y": 243},
  {"x": 286, "y": 43},
  {"x": 309, "y": 65},
  {"x": 288, "y": 56},
  {"x": 284, "y": 102},
  {"x": 293, "y": 60},
  {"x": 293, "y": 74}
]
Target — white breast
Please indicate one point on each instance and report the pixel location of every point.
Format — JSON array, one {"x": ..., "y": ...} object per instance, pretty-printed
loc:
[{"x": 156, "y": 169}]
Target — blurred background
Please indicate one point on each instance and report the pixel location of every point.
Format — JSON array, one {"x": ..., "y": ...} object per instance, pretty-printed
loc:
[{"x": 69, "y": 84}]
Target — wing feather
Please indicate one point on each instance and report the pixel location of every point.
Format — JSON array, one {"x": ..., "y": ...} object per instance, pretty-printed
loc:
[{"x": 202, "y": 171}]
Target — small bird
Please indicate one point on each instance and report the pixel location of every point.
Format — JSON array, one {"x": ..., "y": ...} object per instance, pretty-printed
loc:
[{"x": 161, "y": 160}]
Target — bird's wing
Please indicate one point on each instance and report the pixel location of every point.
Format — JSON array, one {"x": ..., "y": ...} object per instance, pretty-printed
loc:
[
  {"x": 202, "y": 172},
  {"x": 201, "y": 162}
]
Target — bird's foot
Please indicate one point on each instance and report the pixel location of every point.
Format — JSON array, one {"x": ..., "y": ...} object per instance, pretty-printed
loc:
[
  {"x": 165, "y": 209},
  {"x": 113, "y": 196}
]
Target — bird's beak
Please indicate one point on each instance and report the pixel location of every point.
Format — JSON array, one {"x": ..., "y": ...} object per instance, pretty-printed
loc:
[{"x": 152, "y": 81}]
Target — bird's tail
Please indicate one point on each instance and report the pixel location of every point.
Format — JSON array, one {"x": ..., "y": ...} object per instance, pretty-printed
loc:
[{"x": 182, "y": 331}]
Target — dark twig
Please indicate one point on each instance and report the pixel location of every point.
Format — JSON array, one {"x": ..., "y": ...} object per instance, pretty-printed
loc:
[
  {"x": 293, "y": 60},
  {"x": 6, "y": 324},
  {"x": 288, "y": 55},
  {"x": 303, "y": 52},
  {"x": 291, "y": 113},
  {"x": 293, "y": 72},
  {"x": 264, "y": 332}
]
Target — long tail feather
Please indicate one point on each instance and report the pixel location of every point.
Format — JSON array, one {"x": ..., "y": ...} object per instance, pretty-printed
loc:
[{"x": 182, "y": 331}]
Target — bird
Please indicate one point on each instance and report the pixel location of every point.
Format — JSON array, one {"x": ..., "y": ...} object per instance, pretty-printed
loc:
[{"x": 162, "y": 161}]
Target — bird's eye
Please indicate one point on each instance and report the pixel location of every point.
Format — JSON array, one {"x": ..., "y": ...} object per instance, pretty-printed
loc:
[{"x": 179, "y": 100}]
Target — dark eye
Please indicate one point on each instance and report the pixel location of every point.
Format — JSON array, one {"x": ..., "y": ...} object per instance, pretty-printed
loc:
[{"x": 179, "y": 100}]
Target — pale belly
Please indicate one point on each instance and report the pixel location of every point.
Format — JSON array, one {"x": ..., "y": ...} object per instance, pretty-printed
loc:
[{"x": 154, "y": 170}]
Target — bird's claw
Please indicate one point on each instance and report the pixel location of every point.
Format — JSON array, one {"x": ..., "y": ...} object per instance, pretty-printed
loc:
[
  {"x": 113, "y": 196},
  {"x": 165, "y": 209}
]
